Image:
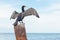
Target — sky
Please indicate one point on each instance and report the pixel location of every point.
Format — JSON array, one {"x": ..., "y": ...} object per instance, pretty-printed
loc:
[{"x": 48, "y": 10}]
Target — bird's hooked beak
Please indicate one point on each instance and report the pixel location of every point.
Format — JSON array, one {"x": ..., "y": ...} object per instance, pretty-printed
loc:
[{"x": 24, "y": 6}]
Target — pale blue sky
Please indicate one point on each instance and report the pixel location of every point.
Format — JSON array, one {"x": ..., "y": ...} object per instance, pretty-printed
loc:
[{"x": 48, "y": 10}]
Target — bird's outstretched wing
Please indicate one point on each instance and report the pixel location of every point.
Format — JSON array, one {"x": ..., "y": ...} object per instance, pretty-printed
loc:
[
  {"x": 14, "y": 15},
  {"x": 30, "y": 11}
]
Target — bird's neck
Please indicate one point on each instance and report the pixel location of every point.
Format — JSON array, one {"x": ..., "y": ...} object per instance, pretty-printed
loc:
[{"x": 23, "y": 9}]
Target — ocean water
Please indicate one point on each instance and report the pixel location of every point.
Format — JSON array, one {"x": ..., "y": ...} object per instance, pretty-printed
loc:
[{"x": 32, "y": 36}]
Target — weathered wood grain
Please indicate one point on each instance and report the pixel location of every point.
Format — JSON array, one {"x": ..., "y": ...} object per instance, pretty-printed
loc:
[{"x": 20, "y": 32}]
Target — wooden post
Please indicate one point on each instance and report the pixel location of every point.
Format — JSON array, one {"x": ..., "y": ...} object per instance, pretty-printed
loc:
[{"x": 20, "y": 32}]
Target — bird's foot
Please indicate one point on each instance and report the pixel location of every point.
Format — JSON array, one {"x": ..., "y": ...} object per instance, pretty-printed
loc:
[{"x": 21, "y": 22}]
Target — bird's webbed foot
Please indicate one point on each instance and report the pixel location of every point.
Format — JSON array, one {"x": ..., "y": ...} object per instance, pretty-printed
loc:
[{"x": 20, "y": 21}]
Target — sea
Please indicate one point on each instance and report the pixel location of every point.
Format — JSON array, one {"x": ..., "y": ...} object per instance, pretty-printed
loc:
[{"x": 32, "y": 36}]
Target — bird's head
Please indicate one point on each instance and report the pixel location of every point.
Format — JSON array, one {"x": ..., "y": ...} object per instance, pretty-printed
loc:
[{"x": 23, "y": 6}]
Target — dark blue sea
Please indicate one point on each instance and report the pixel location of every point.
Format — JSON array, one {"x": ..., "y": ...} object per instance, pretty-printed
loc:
[{"x": 32, "y": 36}]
